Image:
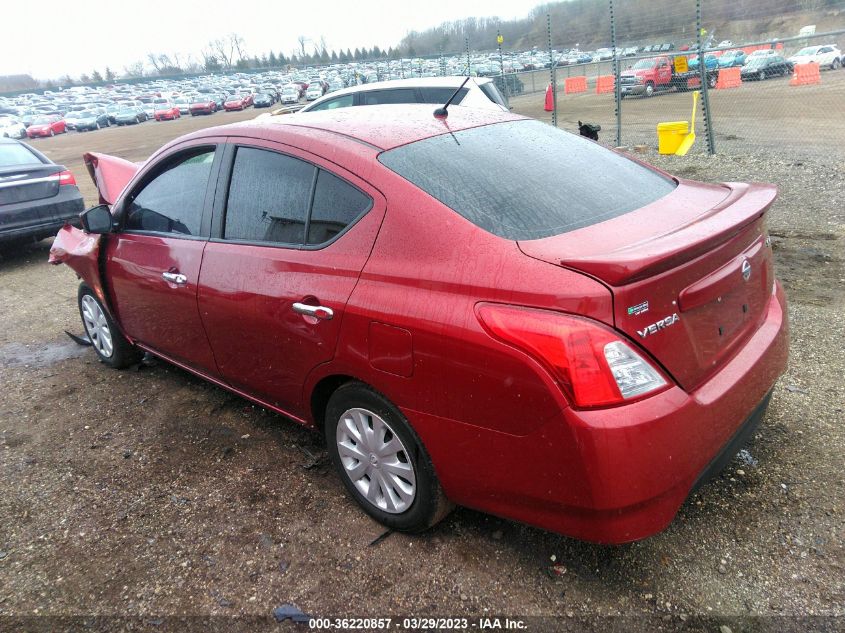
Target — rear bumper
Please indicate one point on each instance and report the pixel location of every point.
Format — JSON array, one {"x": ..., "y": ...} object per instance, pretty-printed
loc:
[
  {"x": 40, "y": 218},
  {"x": 613, "y": 475}
]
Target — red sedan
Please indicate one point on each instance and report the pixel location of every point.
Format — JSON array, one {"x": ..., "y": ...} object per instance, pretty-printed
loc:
[
  {"x": 202, "y": 105},
  {"x": 482, "y": 310},
  {"x": 46, "y": 126},
  {"x": 239, "y": 102},
  {"x": 165, "y": 110}
]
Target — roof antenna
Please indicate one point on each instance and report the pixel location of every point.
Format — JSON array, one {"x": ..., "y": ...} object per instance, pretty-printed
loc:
[{"x": 442, "y": 113}]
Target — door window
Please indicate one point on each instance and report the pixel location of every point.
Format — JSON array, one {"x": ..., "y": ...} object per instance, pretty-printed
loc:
[
  {"x": 173, "y": 201},
  {"x": 268, "y": 197},
  {"x": 331, "y": 104},
  {"x": 337, "y": 204}
]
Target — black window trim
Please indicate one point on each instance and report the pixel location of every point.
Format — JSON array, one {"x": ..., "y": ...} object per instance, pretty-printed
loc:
[
  {"x": 221, "y": 201},
  {"x": 155, "y": 171}
]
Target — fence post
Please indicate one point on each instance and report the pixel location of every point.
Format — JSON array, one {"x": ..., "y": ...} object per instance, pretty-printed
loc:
[
  {"x": 617, "y": 90},
  {"x": 469, "y": 65},
  {"x": 552, "y": 68},
  {"x": 702, "y": 70},
  {"x": 501, "y": 62}
]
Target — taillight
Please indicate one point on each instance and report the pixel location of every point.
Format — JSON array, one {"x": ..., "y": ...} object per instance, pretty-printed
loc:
[
  {"x": 592, "y": 363},
  {"x": 66, "y": 178}
]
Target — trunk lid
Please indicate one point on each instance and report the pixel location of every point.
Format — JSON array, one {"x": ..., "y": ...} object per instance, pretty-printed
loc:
[
  {"x": 691, "y": 274},
  {"x": 28, "y": 182}
]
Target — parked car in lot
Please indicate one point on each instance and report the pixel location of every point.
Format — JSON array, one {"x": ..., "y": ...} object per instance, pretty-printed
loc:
[
  {"x": 129, "y": 115},
  {"x": 315, "y": 91},
  {"x": 183, "y": 103},
  {"x": 531, "y": 299},
  {"x": 711, "y": 62},
  {"x": 202, "y": 104},
  {"x": 263, "y": 100},
  {"x": 479, "y": 92},
  {"x": 11, "y": 127},
  {"x": 289, "y": 95},
  {"x": 91, "y": 120},
  {"x": 36, "y": 195},
  {"x": 729, "y": 59},
  {"x": 764, "y": 67},
  {"x": 826, "y": 56},
  {"x": 655, "y": 74},
  {"x": 236, "y": 102},
  {"x": 71, "y": 117},
  {"x": 46, "y": 126},
  {"x": 165, "y": 110}
]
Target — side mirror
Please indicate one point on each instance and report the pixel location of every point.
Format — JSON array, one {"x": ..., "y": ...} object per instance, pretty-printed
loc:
[{"x": 97, "y": 219}]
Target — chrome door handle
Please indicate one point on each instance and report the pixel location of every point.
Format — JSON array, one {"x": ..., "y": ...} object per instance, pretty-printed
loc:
[
  {"x": 318, "y": 312},
  {"x": 175, "y": 278}
]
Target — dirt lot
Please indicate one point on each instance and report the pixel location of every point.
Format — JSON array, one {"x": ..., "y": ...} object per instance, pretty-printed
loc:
[{"x": 148, "y": 493}]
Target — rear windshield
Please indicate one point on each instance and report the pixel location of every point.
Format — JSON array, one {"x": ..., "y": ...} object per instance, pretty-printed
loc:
[
  {"x": 15, "y": 154},
  {"x": 525, "y": 180}
]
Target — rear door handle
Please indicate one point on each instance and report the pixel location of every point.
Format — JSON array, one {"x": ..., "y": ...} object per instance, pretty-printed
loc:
[
  {"x": 318, "y": 312},
  {"x": 175, "y": 278}
]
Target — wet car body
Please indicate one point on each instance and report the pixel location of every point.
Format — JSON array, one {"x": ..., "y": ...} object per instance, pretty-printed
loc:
[{"x": 478, "y": 334}]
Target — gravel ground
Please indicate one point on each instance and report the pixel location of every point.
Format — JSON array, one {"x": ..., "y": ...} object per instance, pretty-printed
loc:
[{"x": 149, "y": 494}]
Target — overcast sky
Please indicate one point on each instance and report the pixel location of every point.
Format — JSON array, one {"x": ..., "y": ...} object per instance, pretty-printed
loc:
[{"x": 82, "y": 35}]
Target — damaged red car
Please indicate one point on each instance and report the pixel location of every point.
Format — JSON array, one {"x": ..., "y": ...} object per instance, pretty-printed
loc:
[{"x": 478, "y": 309}]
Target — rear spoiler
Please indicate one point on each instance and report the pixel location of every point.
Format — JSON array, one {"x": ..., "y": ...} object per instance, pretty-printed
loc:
[
  {"x": 110, "y": 174},
  {"x": 744, "y": 204}
]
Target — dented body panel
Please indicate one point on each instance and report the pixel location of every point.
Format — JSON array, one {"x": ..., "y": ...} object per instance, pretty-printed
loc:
[
  {"x": 81, "y": 252},
  {"x": 110, "y": 173}
]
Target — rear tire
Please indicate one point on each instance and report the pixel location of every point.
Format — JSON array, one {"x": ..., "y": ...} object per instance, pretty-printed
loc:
[
  {"x": 394, "y": 481},
  {"x": 762, "y": 75},
  {"x": 109, "y": 344},
  {"x": 835, "y": 64}
]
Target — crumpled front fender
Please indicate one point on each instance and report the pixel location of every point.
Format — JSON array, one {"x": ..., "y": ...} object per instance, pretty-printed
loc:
[{"x": 81, "y": 252}]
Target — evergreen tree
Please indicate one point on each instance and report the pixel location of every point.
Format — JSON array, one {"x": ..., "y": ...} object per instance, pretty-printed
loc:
[
  {"x": 271, "y": 59},
  {"x": 357, "y": 55},
  {"x": 109, "y": 74},
  {"x": 96, "y": 76}
]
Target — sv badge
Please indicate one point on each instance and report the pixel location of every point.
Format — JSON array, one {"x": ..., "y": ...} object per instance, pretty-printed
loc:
[{"x": 662, "y": 324}]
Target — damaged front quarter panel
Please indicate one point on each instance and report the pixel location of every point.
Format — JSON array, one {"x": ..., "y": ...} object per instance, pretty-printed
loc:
[{"x": 81, "y": 252}]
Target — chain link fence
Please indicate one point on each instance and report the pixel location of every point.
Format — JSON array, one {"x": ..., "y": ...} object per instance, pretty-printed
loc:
[{"x": 764, "y": 77}]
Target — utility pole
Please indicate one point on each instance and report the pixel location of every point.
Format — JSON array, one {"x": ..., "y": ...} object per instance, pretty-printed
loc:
[{"x": 469, "y": 66}]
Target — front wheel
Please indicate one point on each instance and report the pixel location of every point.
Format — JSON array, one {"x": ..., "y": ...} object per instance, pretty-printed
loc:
[
  {"x": 762, "y": 75},
  {"x": 109, "y": 344},
  {"x": 381, "y": 461},
  {"x": 649, "y": 90},
  {"x": 835, "y": 64}
]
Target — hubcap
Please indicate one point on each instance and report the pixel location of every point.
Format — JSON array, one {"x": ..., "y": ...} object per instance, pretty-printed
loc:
[
  {"x": 96, "y": 326},
  {"x": 376, "y": 461}
]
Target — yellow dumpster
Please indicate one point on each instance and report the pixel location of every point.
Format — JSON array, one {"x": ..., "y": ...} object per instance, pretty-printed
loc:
[{"x": 670, "y": 135}]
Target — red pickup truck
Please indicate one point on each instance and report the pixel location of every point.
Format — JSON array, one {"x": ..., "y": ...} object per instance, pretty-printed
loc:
[{"x": 658, "y": 73}]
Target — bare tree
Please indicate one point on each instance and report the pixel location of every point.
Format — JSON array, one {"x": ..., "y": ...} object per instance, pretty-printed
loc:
[
  {"x": 301, "y": 41},
  {"x": 134, "y": 70},
  {"x": 153, "y": 59},
  {"x": 237, "y": 45},
  {"x": 222, "y": 51}
]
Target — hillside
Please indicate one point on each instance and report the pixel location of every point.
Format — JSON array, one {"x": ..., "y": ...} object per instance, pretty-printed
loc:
[{"x": 586, "y": 23}]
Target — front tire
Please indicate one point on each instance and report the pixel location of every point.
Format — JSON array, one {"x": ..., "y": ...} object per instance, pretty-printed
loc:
[
  {"x": 835, "y": 64},
  {"x": 381, "y": 461},
  {"x": 649, "y": 89},
  {"x": 109, "y": 344},
  {"x": 762, "y": 75}
]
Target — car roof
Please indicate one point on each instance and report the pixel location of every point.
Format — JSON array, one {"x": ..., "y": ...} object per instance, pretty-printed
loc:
[{"x": 382, "y": 127}]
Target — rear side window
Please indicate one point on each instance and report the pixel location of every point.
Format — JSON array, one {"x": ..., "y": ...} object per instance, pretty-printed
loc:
[
  {"x": 525, "y": 180},
  {"x": 337, "y": 204},
  {"x": 172, "y": 202},
  {"x": 399, "y": 95},
  {"x": 493, "y": 93},
  {"x": 441, "y": 95},
  {"x": 268, "y": 197}
]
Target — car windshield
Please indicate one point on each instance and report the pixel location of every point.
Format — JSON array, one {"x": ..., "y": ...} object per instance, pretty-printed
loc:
[
  {"x": 86, "y": 114},
  {"x": 128, "y": 111},
  {"x": 810, "y": 50},
  {"x": 16, "y": 154},
  {"x": 42, "y": 120},
  {"x": 757, "y": 61},
  {"x": 161, "y": 102},
  {"x": 644, "y": 63},
  {"x": 525, "y": 180}
]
